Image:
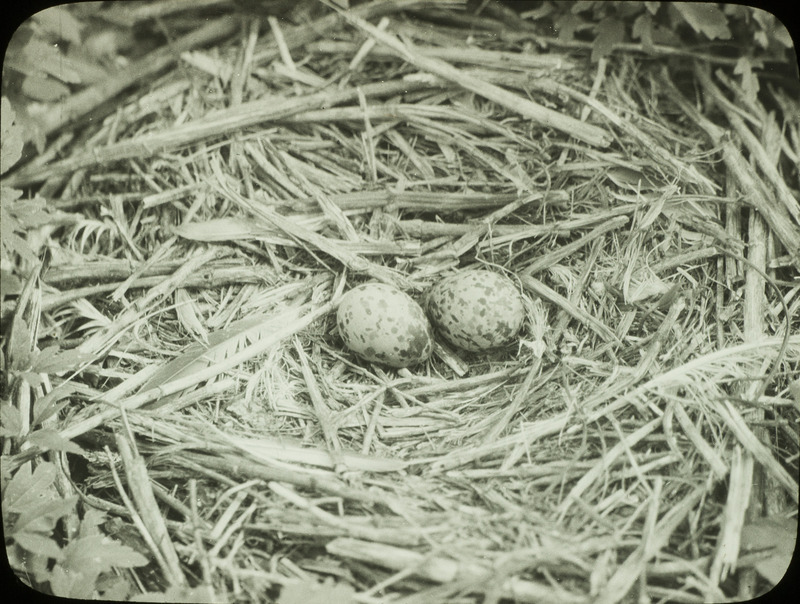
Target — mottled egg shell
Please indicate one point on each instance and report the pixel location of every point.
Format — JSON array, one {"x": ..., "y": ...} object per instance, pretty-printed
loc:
[
  {"x": 476, "y": 309},
  {"x": 382, "y": 324}
]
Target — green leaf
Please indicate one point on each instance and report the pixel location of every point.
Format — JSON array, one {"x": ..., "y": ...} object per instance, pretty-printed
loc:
[
  {"x": 8, "y": 196},
  {"x": 48, "y": 60},
  {"x": 38, "y": 544},
  {"x": 30, "y": 567},
  {"x": 11, "y": 137},
  {"x": 26, "y": 489},
  {"x": 100, "y": 553},
  {"x": 566, "y": 25},
  {"x": 772, "y": 28},
  {"x": 738, "y": 11},
  {"x": 35, "y": 380},
  {"x": 89, "y": 71},
  {"x": 115, "y": 588},
  {"x": 44, "y": 88},
  {"x": 90, "y": 522},
  {"x": 50, "y": 439},
  {"x": 16, "y": 556},
  {"x": 20, "y": 345},
  {"x": 10, "y": 243},
  {"x": 610, "y": 31},
  {"x": 48, "y": 406},
  {"x": 42, "y": 518},
  {"x": 794, "y": 388},
  {"x": 705, "y": 18},
  {"x": 581, "y": 6},
  {"x": 31, "y": 213},
  {"x": 652, "y": 7},
  {"x": 626, "y": 11},
  {"x": 10, "y": 284},
  {"x": 70, "y": 583},
  {"x": 62, "y": 360},
  {"x": 10, "y": 424},
  {"x": 777, "y": 534},
  {"x": 761, "y": 38},
  {"x": 14, "y": 243}
]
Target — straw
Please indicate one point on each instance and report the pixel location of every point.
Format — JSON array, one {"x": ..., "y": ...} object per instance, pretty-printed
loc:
[{"x": 197, "y": 241}]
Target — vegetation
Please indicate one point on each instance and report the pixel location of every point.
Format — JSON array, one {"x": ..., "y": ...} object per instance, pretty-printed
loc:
[{"x": 189, "y": 188}]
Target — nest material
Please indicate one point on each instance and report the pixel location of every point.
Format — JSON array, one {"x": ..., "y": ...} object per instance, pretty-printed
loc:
[{"x": 210, "y": 225}]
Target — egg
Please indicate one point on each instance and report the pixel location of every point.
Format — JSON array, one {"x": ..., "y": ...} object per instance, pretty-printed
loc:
[
  {"x": 476, "y": 309},
  {"x": 380, "y": 323}
]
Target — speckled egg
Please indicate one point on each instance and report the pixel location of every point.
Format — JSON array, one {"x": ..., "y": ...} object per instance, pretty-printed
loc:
[
  {"x": 382, "y": 324},
  {"x": 476, "y": 309}
]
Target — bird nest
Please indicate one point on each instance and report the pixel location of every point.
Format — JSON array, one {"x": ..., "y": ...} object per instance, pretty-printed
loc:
[{"x": 174, "y": 361}]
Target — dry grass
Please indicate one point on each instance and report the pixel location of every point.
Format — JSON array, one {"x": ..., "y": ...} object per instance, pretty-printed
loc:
[{"x": 211, "y": 223}]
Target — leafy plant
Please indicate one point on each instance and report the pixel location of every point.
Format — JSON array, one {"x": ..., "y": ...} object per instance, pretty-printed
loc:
[
  {"x": 12, "y": 137},
  {"x": 753, "y": 35},
  {"x": 673, "y": 22},
  {"x": 16, "y": 215},
  {"x": 41, "y": 61},
  {"x": 32, "y": 510}
]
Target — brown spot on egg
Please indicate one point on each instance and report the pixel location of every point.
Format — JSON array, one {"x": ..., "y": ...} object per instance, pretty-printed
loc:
[
  {"x": 380, "y": 323},
  {"x": 476, "y": 309}
]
